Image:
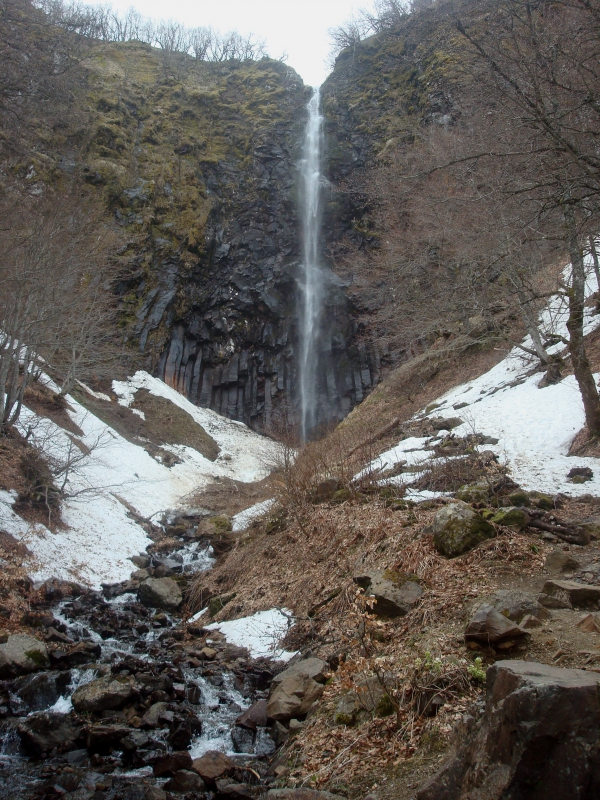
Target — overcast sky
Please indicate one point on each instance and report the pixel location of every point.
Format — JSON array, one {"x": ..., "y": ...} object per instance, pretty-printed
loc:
[{"x": 295, "y": 27}]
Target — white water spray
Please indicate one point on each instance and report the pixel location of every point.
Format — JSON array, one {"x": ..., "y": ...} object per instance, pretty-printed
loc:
[{"x": 312, "y": 288}]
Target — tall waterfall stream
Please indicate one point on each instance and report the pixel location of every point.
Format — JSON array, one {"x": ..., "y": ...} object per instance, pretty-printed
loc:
[{"x": 312, "y": 276}]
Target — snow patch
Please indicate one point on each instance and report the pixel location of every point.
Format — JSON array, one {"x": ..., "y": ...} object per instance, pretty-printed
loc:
[
  {"x": 260, "y": 633},
  {"x": 111, "y": 491},
  {"x": 239, "y": 522},
  {"x": 534, "y": 427}
]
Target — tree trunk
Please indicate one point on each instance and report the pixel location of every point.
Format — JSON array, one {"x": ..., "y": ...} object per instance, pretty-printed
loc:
[
  {"x": 576, "y": 294},
  {"x": 594, "y": 253}
]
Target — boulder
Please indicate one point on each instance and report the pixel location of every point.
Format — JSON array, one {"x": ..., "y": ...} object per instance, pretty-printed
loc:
[
  {"x": 512, "y": 517},
  {"x": 314, "y": 668},
  {"x": 457, "y": 528},
  {"x": 242, "y": 739},
  {"x": 213, "y": 765},
  {"x": 300, "y": 794},
  {"x": 367, "y": 699},
  {"x": 170, "y": 763},
  {"x": 479, "y": 492},
  {"x": 103, "y": 738},
  {"x": 515, "y": 604},
  {"x": 160, "y": 593},
  {"x": 104, "y": 693},
  {"x": 558, "y": 561},
  {"x": 395, "y": 593},
  {"x": 445, "y": 423},
  {"x": 152, "y": 717},
  {"x": 40, "y": 733},
  {"x": 184, "y": 780},
  {"x": 237, "y": 791},
  {"x": 293, "y": 697},
  {"x": 215, "y": 604},
  {"x": 488, "y": 626},
  {"x": 254, "y": 717},
  {"x": 579, "y": 595},
  {"x": 85, "y": 652},
  {"x": 22, "y": 654},
  {"x": 42, "y": 689},
  {"x": 591, "y": 526},
  {"x": 539, "y": 738}
]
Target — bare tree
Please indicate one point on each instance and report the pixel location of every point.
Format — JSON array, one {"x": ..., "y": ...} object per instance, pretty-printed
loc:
[{"x": 57, "y": 308}]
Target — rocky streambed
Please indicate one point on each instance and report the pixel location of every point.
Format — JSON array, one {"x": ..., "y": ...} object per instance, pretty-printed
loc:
[{"x": 112, "y": 696}]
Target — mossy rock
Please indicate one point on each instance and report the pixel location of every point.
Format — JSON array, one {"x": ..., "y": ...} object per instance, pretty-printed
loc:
[
  {"x": 541, "y": 500},
  {"x": 457, "y": 528},
  {"x": 519, "y": 499},
  {"x": 222, "y": 523},
  {"x": 512, "y": 517},
  {"x": 216, "y": 604},
  {"x": 480, "y": 492}
]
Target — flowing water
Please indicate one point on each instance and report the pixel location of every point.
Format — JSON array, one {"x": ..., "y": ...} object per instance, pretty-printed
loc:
[
  {"x": 312, "y": 276},
  {"x": 132, "y": 639}
]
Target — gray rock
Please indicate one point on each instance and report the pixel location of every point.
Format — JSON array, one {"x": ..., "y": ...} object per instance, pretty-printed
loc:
[
  {"x": 151, "y": 718},
  {"x": 40, "y": 733},
  {"x": 293, "y": 697},
  {"x": 395, "y": 594},
  {"x": 160, "y": 593},
  {"x": 558, "y": 561},
  {"x": 579, "y": 595},
  {"x": 184, "y": 780},
  {"x": 300, "y": 794},
  {"x": 22, "y": 654},
  {"x": 488, "y": 626},
  {"x": 445, "y": 424},
  {"x": 538, "y": 738},
  {"x": 369, "y": 698},
  {"x": 457, "y": 528},
  {"x": 104, "y": 693},
  {"x": 314, "y": 668},
  {"x": 141, "y": 561},
  {"x": 515, "y": 604}
]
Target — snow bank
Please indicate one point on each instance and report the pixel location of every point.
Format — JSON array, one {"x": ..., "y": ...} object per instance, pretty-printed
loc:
[
  {"x": 241, "y": 521},
  {"x": 119, "y": 484},
  {"x": 260, "y": 633},
  {"x": 535, "y": 427}
]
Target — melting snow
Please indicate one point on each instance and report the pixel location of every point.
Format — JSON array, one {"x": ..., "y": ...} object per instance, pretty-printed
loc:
[
  {"x": 242, "y": 520},
  {"x": 535, "y": 427},
  {"x": 260, "y": 633},
  {"x": 119, "y": 483}
]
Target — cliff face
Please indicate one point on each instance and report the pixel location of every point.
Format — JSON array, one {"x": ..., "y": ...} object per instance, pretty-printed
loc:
[{"x": 199, "y": 164}]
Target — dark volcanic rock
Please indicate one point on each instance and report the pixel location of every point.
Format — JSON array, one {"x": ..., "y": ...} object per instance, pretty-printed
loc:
[
  {"x": 42, "y": 690},
  {"x": 43, "y": 732},
  {"x": 171, "y": 763},
  {"x": 539, "y": 738}
]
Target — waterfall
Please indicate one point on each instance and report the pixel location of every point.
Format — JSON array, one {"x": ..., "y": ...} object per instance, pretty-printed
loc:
[{"x": 312, "y": 277}]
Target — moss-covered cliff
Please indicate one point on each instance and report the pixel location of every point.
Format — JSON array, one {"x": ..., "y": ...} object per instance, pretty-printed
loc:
[{"x": 198, "y": 163}]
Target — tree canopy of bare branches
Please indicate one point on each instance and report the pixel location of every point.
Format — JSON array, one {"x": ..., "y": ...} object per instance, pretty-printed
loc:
[{"x": 57, "y": 306}]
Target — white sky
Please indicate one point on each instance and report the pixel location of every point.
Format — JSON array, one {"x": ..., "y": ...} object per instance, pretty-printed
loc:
[{"x": 296, "y": 27}]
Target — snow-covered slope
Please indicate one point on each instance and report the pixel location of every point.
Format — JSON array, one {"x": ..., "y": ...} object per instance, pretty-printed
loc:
[
  {"x": 535, "y": 426},
  {"x": 119, "y": 477}
]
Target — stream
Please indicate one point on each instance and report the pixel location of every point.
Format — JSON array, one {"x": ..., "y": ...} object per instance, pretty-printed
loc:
[{"x": 190, "y": 687}]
